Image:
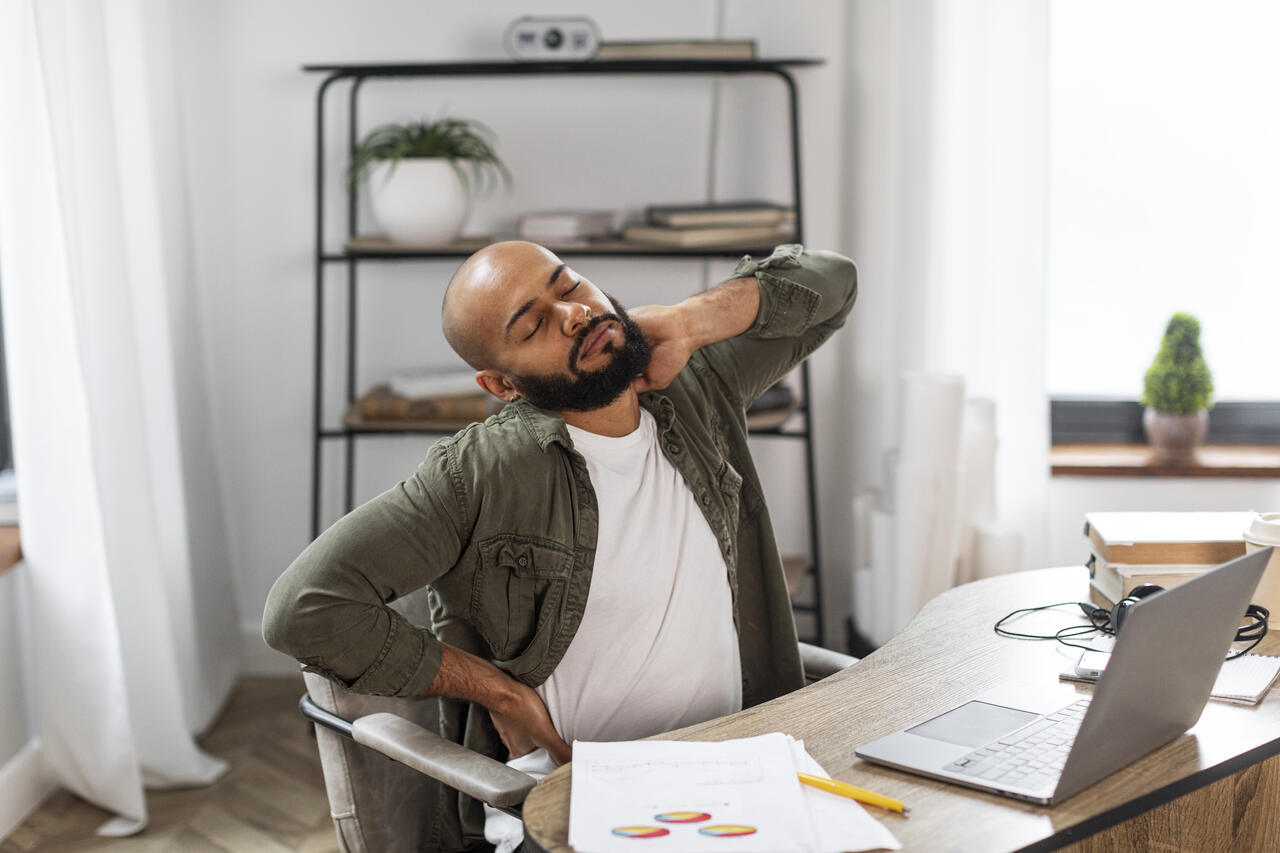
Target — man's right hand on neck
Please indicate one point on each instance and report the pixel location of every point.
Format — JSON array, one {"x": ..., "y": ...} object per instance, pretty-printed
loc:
[{"x": 518, "y": 712}]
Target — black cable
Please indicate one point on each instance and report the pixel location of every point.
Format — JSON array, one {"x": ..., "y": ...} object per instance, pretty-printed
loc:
[
  {"x": 1071, "y": 631},
  {"x": 1100, "y": 623}
]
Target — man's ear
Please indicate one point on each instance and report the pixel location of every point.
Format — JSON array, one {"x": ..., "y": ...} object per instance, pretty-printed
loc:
[{"x": 496, "y": 384}]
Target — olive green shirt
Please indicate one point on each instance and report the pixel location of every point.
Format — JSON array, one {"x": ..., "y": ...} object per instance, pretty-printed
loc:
[{"x": 500, "y": 520}]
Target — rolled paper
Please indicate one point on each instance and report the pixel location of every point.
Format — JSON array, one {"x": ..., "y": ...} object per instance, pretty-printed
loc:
[{"x": 996, "y": 551}]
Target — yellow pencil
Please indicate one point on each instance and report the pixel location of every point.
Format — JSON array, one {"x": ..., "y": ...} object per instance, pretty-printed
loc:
[{"x": 844, "y": 789}]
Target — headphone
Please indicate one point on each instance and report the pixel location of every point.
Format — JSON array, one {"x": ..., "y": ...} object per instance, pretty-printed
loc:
[
  {"x": 1125, "y": 605},
  {"x": 1110, "y": 621}
]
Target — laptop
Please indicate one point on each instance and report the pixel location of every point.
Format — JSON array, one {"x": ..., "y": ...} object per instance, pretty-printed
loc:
[{"x": 1024, "y": 743}]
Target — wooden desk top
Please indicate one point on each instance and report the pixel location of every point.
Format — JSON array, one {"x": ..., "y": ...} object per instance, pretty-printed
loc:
[{"x": 946, "y": 655}]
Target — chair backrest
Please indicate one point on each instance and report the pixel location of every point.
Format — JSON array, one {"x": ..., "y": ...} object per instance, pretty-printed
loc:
[{"x": 378, "y": 805}]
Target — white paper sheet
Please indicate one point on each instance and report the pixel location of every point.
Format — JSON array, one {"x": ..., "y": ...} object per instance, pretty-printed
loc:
[
  {"x": 738, "y": 796},
  {"x": 841, "y": 824}
]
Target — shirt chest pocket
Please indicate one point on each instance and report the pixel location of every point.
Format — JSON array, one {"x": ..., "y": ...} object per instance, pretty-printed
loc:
[
  {"x": 518, "y": 591},
  {"x": 729, "y": 482}
]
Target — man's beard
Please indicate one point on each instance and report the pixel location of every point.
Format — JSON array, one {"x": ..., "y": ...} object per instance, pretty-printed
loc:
[{"x": 593, "y": 389}]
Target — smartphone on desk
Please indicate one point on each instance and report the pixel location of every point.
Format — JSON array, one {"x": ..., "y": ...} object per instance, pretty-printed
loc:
[{"x": 1091, "y": 664}]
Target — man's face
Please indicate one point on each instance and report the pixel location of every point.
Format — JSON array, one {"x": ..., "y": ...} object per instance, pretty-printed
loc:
[{"x": 569, "y": 347}]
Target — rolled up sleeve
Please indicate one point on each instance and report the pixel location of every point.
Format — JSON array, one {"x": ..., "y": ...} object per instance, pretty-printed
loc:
[
  {"x": 805, "y": 296},
  {"x": 330, "y": 607}
]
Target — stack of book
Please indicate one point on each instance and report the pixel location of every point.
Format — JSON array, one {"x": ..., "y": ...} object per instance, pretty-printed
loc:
[
  {"x": 441, "y": 401},
  {"x": 565, "y": 227},
  {"x": 1128, "y": 549},
  {"x": 726, "y": 223},
  {"x": 772, "y": 408}
]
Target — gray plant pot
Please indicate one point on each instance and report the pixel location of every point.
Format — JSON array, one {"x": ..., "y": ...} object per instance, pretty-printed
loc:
[{"x": 1174, "y": 438}]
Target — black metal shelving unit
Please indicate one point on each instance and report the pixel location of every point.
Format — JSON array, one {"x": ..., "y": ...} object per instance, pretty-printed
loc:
[{"x": 352, "y": 257}]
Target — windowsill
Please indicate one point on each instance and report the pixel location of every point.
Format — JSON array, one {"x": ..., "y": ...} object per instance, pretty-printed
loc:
[
  {"x": 1134, "y": 460},
  {"x": 10, "y": 548}
]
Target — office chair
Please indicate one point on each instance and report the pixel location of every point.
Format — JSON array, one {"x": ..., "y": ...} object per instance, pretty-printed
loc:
[{"x": 383, "y": 761}]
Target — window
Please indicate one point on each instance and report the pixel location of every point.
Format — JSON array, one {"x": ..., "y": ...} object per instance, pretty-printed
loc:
[{"x": 1164, "y": 195}]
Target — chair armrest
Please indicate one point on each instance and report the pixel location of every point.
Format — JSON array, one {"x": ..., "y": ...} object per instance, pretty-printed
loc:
[
  {"x": 818, "y": 662},
  {"x": 470, "y": 772}
]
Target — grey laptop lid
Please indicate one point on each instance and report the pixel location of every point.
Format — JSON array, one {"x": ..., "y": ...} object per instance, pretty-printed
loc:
[{"x": 1161, "y": 671}]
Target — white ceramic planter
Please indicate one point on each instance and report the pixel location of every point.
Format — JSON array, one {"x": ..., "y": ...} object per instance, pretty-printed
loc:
[{"x": 421, "y": 200}]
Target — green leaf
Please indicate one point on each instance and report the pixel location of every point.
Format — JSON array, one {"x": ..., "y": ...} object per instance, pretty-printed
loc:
[
  {"x": 1178, "y": 381},
  {"x": 465, "y": 143}
]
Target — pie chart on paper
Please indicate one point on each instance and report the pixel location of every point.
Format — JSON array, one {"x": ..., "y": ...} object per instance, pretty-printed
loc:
[
  {"x": 728, "y": 830},
  {"x": 641, "y": 831}
]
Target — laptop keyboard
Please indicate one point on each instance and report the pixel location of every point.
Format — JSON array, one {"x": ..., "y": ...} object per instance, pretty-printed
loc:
[{"x": 1029, "y": 757}]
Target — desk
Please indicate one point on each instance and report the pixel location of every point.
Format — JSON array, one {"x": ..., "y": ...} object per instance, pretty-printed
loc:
[{"x": 1215, "y": 788}]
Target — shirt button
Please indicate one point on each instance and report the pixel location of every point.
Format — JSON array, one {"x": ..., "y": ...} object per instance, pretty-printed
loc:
[
  {"x": 706, "y": 499},
  {"x": 522, "y": 562},
  {"x": 674, "y": 448}
]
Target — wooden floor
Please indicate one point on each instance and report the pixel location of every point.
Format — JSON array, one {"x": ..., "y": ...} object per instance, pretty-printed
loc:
[{"x": 271, "y": 800}]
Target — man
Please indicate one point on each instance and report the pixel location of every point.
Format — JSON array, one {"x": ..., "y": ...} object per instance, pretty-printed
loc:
[{"x": 600, "y": 557}]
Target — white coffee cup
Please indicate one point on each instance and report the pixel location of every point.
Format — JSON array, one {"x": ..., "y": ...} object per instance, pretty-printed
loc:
[{"x": 1264, "y": 530}]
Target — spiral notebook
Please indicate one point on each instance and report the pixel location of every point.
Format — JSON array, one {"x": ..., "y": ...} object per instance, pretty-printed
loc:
[{"x": 1243, "y": 680}]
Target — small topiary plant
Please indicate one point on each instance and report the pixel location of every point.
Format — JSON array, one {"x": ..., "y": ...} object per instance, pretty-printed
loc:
[{"x": 1178, "y": 381}]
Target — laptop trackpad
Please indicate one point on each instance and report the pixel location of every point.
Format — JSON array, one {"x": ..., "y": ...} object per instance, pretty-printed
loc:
[{"x": 973, "y": 724}]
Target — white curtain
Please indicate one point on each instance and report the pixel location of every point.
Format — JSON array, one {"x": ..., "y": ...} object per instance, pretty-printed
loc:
[
  {"x": 134, "y": 631},
  {"x": 947, "y": 209}
]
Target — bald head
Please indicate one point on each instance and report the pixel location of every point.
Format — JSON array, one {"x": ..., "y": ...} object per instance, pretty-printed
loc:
[{"x": 468, "y": 317}]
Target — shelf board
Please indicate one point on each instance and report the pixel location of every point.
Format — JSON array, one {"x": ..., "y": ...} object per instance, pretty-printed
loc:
[
  {"x": 357, "y": 424},
  {"x": 1134, "y": 460},
  {"x": 354, "y": 424},
  {"x": 382, "y": 249},
  {"x": 590, "y": 66}
]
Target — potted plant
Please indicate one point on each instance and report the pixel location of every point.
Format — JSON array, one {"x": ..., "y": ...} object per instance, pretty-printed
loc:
[
  {"x": 422, "y": 174},
  {"x": 1178, "y": 393}
]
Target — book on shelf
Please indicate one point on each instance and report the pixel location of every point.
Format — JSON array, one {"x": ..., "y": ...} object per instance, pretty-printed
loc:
[
  {"x": 1155, "y": 538},
  {"x": 678, "y": 49},
  {"x": 720, "y": 213},
  {"x": 773, "y": 408},
  {"x": 716, "y": 235},
  {"x": 777, "y": 396},
  {"x": 558, "y": 226},
  {"x": 1116, "y": 580},
  {"x": 380, "y": 403},
  {"x": 435, "y": 383}
]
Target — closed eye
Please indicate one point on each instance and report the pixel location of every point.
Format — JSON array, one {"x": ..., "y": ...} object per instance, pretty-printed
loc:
[{"x": 538, "y": 325}]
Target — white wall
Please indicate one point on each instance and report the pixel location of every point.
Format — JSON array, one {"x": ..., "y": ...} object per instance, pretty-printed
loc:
[{"x": 582, "y": 142}]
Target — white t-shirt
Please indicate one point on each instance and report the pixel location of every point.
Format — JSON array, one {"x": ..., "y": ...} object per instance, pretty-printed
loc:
[{"x": 656, "y": 649}]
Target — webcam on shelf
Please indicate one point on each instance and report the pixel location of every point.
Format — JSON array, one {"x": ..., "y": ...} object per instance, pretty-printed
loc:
[{"x": 541, "y": 39}]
